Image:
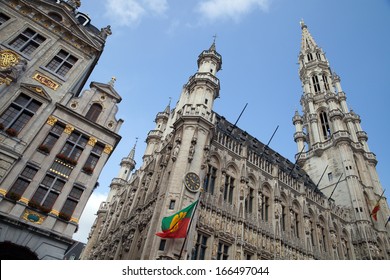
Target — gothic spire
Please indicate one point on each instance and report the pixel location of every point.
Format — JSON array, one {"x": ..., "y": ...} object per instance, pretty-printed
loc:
[{"x": 307, "y": 42}]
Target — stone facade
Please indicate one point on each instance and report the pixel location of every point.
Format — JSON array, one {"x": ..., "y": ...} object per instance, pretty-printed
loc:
[
  {"x": 255, "y": 203},
  {"x": 54, "y": 139}
]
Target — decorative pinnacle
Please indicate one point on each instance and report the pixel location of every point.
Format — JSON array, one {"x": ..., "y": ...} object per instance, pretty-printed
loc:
[
  {"x": 302, "y": 23},
  {"x": 112, "y": 82}
]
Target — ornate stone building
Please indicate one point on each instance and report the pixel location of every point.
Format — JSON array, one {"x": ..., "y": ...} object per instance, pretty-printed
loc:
[
  {"x": 54, "y": 139},
  {"x": 255, "y": 203}
]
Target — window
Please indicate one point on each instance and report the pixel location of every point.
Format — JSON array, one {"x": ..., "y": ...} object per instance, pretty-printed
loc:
[
  {"x": 223, "y": 250},
  {"x": 94, "y": 112},
  {"x": 318, "y": 56},
  {"x": 93, "y": 158},
  {"x": 309, "y": 57},
  {"x": 326, "y": 83},
  {"x": 316, "y": 84},
  {"x": 162, "y": 245},
  {"x": 27, "y": 41},
  {"x": 3, "y": 18},
  {"x": 330, "y": 176},
  {"x": 48, "y": 191},
  {"x": 24, "y": 179},
  {"x": 265, "y": 208},
  {"x": 172, "y": 204},
  {"x": 324, "y": 125},
  {"x": 248, "y": 256},
  {"x": 200, "y": 247},
  {"x": 249, "y": 201},
  {"x": 71, "y": 202},
  {"x": 283, "y": 218},
  {"x": 61, "y": 63},
  {"x": 210, "y": 178},
  {"x": 19, "y": 113},
  {"x": 52, "y": 138},
  {"x": 74, "y": 146},
  {"x": 229, "y": 188}
]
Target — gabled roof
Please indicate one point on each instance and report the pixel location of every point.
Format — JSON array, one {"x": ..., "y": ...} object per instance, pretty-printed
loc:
[
  {"x": 108, "y": 89},
  {"x": 87, "y": 34}
]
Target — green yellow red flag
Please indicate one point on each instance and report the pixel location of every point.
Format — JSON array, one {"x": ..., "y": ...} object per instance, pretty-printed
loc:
[{"x": 176, "y": 226}]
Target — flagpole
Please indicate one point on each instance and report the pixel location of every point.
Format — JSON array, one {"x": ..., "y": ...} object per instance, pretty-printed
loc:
[{"x": 189, "y": 228}]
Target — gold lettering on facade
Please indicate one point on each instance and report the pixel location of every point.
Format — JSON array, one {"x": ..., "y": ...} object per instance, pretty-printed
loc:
[
  {"x": 107, "y": 149},
  {"x": 68, "y": 129},
  {"x": 46, "y": 81},
  {"x": 51, "y": 120}
]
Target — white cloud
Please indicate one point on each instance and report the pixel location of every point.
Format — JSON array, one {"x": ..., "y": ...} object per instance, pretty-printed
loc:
[
  {"x": 230, "y": 9},
  {"x": 130, "y": 12},
  {"x": 88, "y": 216}
]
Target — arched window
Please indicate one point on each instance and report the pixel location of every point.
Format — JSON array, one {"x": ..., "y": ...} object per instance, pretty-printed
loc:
[
  {"x": 94, "y": 112},
  {"x": 325, "y": 125}
]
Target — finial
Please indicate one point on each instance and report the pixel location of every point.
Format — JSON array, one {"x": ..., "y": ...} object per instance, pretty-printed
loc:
[
  {"x": 212, "y": 48},
  {"x": 170, "y": 99},
  {"x": 112, "y": 82},
  {"x": 132, "y": 152},
  {"x": 302, "y": 23}
]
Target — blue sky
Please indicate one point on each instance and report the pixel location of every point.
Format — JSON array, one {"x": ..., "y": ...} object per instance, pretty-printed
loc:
[{"x": 155, "y": 44}]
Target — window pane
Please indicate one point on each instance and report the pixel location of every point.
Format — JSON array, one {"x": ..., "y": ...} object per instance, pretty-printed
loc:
[
  {"x": 69, "y": 207},
  {"x": 29, "y": 172},
  {"x": 76, "y": 193}
]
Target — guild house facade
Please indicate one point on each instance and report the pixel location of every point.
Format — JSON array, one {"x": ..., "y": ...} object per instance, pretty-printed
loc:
[
  {"x": 255, "y": 204},
  {"x": 54, "y": 137}
]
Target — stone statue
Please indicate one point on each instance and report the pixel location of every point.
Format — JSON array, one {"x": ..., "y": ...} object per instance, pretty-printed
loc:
[{"x": 105, "y": 32}]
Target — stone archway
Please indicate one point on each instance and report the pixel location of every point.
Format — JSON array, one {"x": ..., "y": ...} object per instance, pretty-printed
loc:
[{"x": 11, "y": 251}]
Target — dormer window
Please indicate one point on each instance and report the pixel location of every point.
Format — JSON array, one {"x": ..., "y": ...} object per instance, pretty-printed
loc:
[{"x": 83, "y": 19}]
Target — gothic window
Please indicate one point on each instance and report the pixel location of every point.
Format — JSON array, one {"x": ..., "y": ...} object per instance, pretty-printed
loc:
[
  {"x": 265, "y": 205},
  {"x": 52, "y": 137},
  {"x": 74, "y": 146},
  {"x": 27, "y": 41},
  {"x": 316, "y": 84},
  {"x": 324, "y": 125},
  {"x": 309, "y": 57},
  {"x": 326, "y": 83},
  {"x": 24, "y": 179},
  {"x": 283, "y": 215},
  {"x": 200, "y": 247},
  {"x": 48, "y": 191},
  {"x": 223, "y": 251},
  {"x": 3, "y": 18},
  {"x": 93, "y": 158},
  {"x": 17, "y": 115},
  {"x": 94, "y": 112},
  {"x": 210, "y": 179},
  {"x": 229, "y": 189},
  {"x": 295, "y": 221},
  {"x": 249, "y": 201},
  {"x": 61, "y": 63},
  {"x": 71, "y": 201}
]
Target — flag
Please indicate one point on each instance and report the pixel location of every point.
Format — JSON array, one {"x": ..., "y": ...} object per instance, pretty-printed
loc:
[
  {"x": 375, "y": 211},
  {"x": 176, "y": 226}
]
